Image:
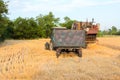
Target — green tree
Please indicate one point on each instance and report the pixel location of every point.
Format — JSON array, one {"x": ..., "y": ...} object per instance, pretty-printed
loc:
[
  {"x": 3, "y": 19},
  {"x": 105, "y": 32},
  {"x": 25, "y": 28},
  {"x": 114, "y": 30},
  {"x": 45, "y": 23},
  {"x": 33, "y": 28},
  {"x": 118, "y": 32},
  {"x": 9, "y": 31},
  {"x": 67, "y": 19},
  {"x": 40, "y": 23},
  {"x": 109, "y": 31},
  {"x": 68, "y": 22},
  {"x": 100, "y": 33},
  {"x": 29, "y": 28}
]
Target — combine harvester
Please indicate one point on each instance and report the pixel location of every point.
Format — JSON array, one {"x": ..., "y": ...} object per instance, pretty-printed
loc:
[{"x": 91, "y": 29}]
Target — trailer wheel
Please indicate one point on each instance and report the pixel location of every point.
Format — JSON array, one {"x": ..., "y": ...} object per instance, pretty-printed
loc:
[
  {"x": 51, "y": 46},
  {"x": 80, "y": 52},
  {"x": 47, "y": 46},
  {"x": 58, "y": 51}
]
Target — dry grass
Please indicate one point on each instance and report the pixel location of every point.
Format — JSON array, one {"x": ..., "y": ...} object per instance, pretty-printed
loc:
[
  {"x": 27, "y": 59},
  {"x": 111, "y": 42}
]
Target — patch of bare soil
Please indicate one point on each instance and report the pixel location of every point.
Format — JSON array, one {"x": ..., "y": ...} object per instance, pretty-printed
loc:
[{"x": 28, "y": 59}]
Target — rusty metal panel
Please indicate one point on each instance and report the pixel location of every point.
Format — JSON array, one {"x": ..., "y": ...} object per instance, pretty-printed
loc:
[{"x": 68, "y": 38}]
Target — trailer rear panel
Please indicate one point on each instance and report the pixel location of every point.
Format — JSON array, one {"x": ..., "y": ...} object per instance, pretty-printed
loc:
[{"x": 68, "y": 38}]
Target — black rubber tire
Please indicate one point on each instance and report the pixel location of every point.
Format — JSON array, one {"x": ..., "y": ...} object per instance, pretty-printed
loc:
[
  {"x": 50, "y": 46},
  {"x": 57, "y": 54},
  {"x": 47, "y": 46},
  {"x": 80, "y": 52},
  {"x": 58, "y": 51}
]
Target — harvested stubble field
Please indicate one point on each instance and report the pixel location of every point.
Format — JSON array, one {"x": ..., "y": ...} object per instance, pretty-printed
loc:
[{"x": 28, "y": 60}]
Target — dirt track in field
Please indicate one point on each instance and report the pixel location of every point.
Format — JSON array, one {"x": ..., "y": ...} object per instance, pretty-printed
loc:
[{"x": 28, "y": 59}]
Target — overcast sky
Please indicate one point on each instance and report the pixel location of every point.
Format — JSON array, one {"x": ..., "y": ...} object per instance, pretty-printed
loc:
[{"x": 105, "y": 12}]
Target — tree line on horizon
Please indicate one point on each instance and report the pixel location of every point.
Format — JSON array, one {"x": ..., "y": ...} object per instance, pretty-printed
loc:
[
  {"x": 111, "y": 31},
  {"x": 39, "y": 27}
]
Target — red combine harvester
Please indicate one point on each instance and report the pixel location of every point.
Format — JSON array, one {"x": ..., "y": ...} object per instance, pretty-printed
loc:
[{"x": 91, "y": 29}]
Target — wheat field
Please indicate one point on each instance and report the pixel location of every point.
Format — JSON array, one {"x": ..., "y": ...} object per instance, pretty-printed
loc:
[{"x": 28, "y": 60}]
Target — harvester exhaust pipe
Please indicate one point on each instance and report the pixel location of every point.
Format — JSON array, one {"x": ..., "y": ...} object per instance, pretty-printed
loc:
[{"x": 92, "y": 20}]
